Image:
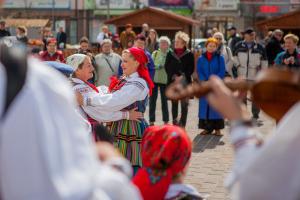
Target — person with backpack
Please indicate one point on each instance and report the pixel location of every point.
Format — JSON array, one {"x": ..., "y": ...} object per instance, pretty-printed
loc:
[
  {"x": 107, "y": 63},
  {"x": 210, "y": 63},
  {"x": 166, "y": 151}
]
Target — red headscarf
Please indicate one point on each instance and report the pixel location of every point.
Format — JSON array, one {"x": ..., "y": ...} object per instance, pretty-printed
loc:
[
  {"x": 165, "y": 153},
  {"x": 140, "y": 56}
]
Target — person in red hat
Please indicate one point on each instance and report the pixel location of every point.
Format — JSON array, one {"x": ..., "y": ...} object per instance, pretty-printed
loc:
[
  {"x": 52, "y": 54},
  {"x": 166, "y": 151},
  {"x": 130, "y": 91}
]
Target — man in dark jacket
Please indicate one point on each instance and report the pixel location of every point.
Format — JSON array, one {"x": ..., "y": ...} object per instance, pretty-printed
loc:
[
  {"x": 61, "y": 38},
  {"x": 233, "y": 38},
  {"x": 250, "y": 57},
  {"x": 3, "y": 31},
  {"x": 274, "y": 46}
]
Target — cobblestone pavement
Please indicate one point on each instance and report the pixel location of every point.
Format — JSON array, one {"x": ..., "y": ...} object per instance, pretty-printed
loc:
[{"x": 212, "y": 155}]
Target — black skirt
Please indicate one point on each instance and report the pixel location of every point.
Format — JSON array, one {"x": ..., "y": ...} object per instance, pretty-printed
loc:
[{"x": 211, "y": 124}]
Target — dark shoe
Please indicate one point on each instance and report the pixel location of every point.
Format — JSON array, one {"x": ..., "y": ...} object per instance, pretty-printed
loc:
[
  {"x": 205, "y": 132},
  {"x": 175, "y": 122},
  {"x": 218, "y": 132}
]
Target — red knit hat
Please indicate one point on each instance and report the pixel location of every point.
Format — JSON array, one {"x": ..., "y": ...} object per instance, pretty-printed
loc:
[{"x": 165, "y": 153}]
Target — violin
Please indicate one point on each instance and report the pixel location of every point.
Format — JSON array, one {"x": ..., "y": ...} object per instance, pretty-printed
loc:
[{"x": 274, "y": 90}]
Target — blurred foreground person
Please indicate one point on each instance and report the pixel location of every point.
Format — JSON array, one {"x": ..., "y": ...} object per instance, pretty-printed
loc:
[
  {"x": 166, "y": 152},
  {"x": 262, "y": 172},
  {"x": 51, "y": 158}
]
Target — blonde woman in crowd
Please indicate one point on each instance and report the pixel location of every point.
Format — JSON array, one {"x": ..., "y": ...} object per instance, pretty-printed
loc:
[{"x": 180, "y": 62}]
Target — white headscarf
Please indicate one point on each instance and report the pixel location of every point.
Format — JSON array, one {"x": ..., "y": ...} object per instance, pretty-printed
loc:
[{"x": 75, "y": 60}]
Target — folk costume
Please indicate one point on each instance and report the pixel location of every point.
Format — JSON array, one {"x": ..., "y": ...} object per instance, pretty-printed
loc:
[
  {"x": 125, "y": 94},
  {"x": 93, "y": 114}
]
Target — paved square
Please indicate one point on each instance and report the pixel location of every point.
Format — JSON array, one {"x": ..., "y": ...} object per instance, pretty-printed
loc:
[{"x": 212, "y": 155}]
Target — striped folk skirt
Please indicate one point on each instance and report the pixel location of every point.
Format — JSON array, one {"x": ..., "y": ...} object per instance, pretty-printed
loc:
[{"x": 128, "y": 137}]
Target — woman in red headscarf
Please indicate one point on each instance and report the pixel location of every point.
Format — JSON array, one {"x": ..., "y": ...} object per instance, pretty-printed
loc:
[
  {"x": 166, "y": 151},
  {"x": 131, "y": 91}
]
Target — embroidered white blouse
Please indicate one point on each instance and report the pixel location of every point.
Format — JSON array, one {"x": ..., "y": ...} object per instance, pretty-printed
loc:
[
  {"x": 271, "y": 171},
  {"x": 97, "y": 113},
  {"x": 135, "y": 89}
]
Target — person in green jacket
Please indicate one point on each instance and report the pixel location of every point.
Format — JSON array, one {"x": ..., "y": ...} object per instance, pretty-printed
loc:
[{"x": 160, "y": 80}]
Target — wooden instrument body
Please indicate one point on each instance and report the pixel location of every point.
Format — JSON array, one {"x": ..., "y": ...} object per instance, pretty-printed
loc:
[{"x": 276, "y": 91}]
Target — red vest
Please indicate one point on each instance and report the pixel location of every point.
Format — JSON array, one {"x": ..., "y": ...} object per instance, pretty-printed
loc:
[{"x": 57, "y": 56}]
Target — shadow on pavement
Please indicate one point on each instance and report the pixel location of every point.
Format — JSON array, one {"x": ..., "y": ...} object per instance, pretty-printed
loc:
[{"x": 202, "y": 142}]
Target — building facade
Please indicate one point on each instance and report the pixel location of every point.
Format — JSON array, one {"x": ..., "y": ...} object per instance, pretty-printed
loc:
[{"x": 240, "y": 13}]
